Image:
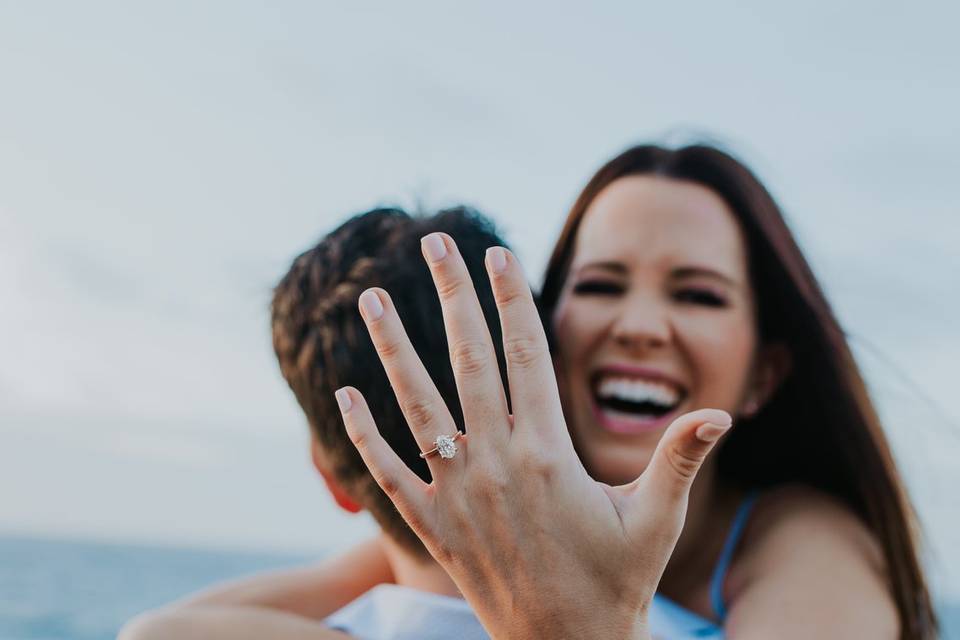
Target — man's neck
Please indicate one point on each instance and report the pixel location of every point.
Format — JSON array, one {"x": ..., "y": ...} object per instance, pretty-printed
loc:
[{"x": 415, "y": 572}]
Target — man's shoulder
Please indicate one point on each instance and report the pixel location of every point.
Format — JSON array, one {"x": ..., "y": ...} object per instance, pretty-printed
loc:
[{"x": 394, "y": 612}]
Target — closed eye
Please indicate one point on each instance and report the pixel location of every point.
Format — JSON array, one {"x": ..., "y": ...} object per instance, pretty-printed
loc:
[
  {"x": 597, "y": 287},
  {"x": 701, "y": 297}
]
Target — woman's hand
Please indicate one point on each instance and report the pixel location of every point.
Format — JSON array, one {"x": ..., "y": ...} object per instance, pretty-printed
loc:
[{"x": 537, "y": 547}]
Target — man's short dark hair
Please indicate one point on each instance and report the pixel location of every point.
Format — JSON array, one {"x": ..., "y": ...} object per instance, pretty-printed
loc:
[{"x": 322, "y": 343}]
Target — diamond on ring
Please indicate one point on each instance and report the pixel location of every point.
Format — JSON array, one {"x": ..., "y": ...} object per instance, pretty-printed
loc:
[
  {"x": 443, "y": 445},
  {"x": 446, "y": 448}
]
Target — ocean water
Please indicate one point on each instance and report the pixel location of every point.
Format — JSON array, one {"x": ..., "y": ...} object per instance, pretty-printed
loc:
[{"x": 77, "y": 590}]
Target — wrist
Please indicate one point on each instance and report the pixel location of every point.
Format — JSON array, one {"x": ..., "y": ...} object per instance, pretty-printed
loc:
[
  {"x": 546, "y": 618},
  {"x": 579, "y": 629}
]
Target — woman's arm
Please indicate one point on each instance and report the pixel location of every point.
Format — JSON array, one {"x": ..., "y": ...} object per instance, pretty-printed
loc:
[
  {"x": 811, "y": 570},
  {"x": 284, "y": 605},
  {"x": 236, "y": 623},
  {"x": 311, "y": 592}
]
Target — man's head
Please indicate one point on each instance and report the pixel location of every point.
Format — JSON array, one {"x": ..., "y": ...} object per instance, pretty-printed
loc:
[{"x": 322, "y": 343}]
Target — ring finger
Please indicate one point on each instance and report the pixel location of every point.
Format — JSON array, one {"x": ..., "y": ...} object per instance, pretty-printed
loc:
[{"x": 421, "y": 403}]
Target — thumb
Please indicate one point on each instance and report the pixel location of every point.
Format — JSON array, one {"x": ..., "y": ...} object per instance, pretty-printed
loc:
[{"x": 682, "y": 450}]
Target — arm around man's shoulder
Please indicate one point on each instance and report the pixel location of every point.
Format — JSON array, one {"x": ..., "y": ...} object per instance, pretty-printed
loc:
[
  {"x": 236, "y": 623},
  {"x": 288, "y": 604},
  {"x": 809, "y": 569}
]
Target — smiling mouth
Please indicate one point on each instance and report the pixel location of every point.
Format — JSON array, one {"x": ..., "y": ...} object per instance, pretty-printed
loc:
[{"x": 625, "y": 403}]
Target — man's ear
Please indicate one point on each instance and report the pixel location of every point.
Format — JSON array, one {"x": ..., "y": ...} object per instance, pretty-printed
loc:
[
  {"x": 342, "y": 497},
  {"x": 774, "y": 363}
]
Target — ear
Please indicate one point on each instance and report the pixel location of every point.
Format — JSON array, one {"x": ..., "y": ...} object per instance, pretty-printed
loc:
[
  {"x": 773, "y": 365},
  {"x": 342, "y": 498}
]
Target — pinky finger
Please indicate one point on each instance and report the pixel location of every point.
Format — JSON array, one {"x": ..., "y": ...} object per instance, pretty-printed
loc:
[{"x": 404, "y": 488}]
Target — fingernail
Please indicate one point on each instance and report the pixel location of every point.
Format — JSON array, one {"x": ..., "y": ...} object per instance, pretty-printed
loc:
[
  {"x": 433, "y": 247},
  {"x": 719, "y": 417},
  {"x": 370, "y": 305},
  {"x": 343, "y": 400},
  {"x": 498, "y": 259},
  {"x": 709, "y": 432}
]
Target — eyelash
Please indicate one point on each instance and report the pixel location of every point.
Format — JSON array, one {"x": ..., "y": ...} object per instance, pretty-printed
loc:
[
  {"x": 703, "y": 297},
  {"x": 700, "y": 296},
  {"x": 596, "y": 287}
]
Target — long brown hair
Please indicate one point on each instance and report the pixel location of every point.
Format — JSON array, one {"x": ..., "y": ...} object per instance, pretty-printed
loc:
[{"x": 820, "y": 428}]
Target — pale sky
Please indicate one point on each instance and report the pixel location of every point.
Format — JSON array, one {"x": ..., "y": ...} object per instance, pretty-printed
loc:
[{"x": 160, "y": 167}]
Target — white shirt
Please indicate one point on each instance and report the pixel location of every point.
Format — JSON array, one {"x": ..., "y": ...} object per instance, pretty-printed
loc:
[{"x": 392, "y": 612}]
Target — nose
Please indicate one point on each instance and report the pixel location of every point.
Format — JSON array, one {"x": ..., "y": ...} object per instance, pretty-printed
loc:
[{"x": 643, "y": 324}]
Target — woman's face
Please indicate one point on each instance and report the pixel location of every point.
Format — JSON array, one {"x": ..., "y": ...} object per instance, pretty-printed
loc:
[{"x": 656, "y": 319}]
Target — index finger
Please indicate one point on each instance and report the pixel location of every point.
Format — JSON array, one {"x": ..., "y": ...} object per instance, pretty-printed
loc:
[{"x": 533, "y": 384}]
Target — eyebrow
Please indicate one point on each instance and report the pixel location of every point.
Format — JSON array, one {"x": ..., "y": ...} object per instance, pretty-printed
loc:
[
  {"x": 615, "y": 267},
  {"x": 696, "y": 270},
  {"x": 679, "y": 273}
]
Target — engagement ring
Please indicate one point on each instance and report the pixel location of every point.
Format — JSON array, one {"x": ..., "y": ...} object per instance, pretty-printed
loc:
[{"x": 444, "y": 446}]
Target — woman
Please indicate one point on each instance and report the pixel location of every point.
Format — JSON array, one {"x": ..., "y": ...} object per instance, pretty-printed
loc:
[
  {"x": 814, "y": 447},
  {"x": 675, "y": 285}
]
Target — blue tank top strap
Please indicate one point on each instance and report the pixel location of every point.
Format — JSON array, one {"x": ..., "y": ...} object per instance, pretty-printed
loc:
[{"x": 726, "y": 555}]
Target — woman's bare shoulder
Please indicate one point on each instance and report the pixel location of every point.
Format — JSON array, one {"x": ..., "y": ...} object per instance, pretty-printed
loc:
[
  {"x": 807, "y": 555},
  {"x": 794, "y": 517}
]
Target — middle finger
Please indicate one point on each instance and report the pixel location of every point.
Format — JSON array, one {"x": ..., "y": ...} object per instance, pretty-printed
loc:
[{"x": 472, "y": 354}]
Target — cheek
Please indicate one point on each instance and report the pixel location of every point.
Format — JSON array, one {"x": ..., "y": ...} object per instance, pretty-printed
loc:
[
  {"x": 565, "y": 332},
  {"x": 721, "y": 351},
  {"x": 575, "y": 330},
  {"x": 577, "y": 325}
]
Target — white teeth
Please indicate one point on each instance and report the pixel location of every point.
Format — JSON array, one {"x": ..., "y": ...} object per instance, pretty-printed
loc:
[{"x": 634, "y": 390}]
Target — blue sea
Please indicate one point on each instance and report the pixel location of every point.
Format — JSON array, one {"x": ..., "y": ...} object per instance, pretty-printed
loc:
[{"x": 78, "y": 590}]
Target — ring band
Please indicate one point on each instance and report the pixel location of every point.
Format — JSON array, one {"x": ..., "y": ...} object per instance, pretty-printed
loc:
[{"x": 444, "y": 446}]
